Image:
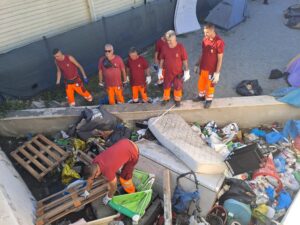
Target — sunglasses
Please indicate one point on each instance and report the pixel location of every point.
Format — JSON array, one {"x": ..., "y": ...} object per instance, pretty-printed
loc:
[{"x": 107, "y": 50}]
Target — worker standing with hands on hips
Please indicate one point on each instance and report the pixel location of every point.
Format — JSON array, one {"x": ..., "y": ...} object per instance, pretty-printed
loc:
[
  {"x": 210, "y": 63},
  {"x": 111, "y": 68},
  {"x": 139, "y": 72},
  {"x": 125, "y": 154},
  {"x": 68, "y": 66},
  {"x": 174, "y": 60}
]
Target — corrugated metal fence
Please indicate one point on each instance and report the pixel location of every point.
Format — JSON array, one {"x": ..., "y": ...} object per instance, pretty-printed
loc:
[
  {"x": 25, "y": 21},
  {"x": 28, "y": 70}
]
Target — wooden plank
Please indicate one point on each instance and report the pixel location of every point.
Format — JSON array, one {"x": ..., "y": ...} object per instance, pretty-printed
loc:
[
  {"x": 103, "y": 221},
  {"x": 52, "y": 154},
  {"x": 39, "y": 154},
  {"x": 60, "y": 200},
  {"x": 53, "y": 145},
  {"x": 33, "y": 160},
  {"x": 167, "y": 198},
  {"x": 84, "y": 157},
  {"x": 68, "y": 206},
  {"x": 25, "y": 165}
]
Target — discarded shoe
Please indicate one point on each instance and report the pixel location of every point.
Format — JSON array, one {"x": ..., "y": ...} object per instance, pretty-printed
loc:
[
  {"x": 207, "y": 104},
  {"x": 199, "y": 99},
  {"x": 150, "y": 100},
  {"x": 177, "y": 103},
  {"x": 164, "y": 102}
]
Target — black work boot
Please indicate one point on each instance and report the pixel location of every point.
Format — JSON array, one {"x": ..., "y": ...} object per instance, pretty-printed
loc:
[
  {"x": 199, "y": 99},
  {"x": 164, "y": 102},
  {"x": 207, "y": 104},
  {"x": 177, "y": 103}
]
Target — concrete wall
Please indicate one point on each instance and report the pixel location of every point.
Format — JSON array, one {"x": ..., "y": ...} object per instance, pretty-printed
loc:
[
  {"x": 246, "y": 111},
  {"x": 17, "y": 205}
]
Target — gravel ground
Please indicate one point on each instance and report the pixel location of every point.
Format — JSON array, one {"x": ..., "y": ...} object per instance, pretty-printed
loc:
[{"x": 253, "y": 49}]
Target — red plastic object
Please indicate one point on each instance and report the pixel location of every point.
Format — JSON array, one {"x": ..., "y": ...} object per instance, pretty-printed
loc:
[{"x": 269, "y": 169}]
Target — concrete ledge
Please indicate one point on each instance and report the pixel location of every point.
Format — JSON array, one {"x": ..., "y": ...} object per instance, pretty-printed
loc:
[{"x": 246, "y": 111}]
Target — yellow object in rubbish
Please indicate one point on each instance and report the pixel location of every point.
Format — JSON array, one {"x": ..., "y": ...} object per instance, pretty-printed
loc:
[
  {"x": 68, "y": 174},
  {"x": 79, "y": 144},
  {"x": 263, "y": 213}
]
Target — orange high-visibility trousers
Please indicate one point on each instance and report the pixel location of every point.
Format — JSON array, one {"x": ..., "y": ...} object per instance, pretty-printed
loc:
[
  {"x": 113, "y": 92},
  {"x": 135, "y": 93},
  {"x": 177, "y": 94},
  {"x": 205, "y": 86},
  {"x": 71, "y": 88},
  {"x": 127, "y": 185}
]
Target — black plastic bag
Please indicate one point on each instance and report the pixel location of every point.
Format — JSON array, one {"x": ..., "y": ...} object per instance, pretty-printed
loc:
[
  {"x": 249, "y": 88},
  {"x": 276, "y": 74},
  {"x": 118, "y": 134},
  {"x": 240, "y": 191}
]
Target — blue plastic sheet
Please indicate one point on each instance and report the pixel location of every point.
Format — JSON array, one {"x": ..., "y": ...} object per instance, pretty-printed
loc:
[
  {"x": 292, "y": 98},
  {"x": 291, "y": 129},
  {"x": 273, "y": 137}
]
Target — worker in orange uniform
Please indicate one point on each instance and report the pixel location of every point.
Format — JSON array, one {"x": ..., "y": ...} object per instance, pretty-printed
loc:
[
  {"x": 210, "y": 63},
  {"x": 123, "y": 154},
  {"x": 111, "y": 68},
  {"x": 138, "y": 68},
  {"x": 174, "y": 59},
  {"x": 158, "y": 47},
  {"x": 68, "y": 66}
]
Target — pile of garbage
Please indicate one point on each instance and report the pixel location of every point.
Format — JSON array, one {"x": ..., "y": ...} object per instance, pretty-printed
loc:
[{"x": 263, "y": 171}]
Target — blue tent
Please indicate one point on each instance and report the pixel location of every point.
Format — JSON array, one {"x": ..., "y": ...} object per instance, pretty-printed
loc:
[{"x": 228, "y": 14}]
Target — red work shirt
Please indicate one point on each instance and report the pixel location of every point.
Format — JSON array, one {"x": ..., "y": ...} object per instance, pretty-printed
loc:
[
  {"x": 137, "y": 71},
  {"x": 158, "y": 47},
  {"x": 114, "y": 157},
  {"x": 68, "y": 69},
  {"x": 112, "y": 75},
  {"x": 173, "y": 59},
  {"x": 210, "y": 51}
]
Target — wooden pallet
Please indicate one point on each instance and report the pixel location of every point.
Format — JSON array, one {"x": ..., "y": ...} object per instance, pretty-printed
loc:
[
  {"x": 83, "y": 157},
  {"x": 64, "y": 202},
  {"x": 39, "y": 156}
]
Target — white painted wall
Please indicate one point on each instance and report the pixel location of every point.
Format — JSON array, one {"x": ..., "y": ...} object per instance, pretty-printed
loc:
[{"x": 17, "y": 205}]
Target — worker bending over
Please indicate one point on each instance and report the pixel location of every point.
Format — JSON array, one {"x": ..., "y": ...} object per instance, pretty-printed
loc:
[{"x": 123, "y": 154}]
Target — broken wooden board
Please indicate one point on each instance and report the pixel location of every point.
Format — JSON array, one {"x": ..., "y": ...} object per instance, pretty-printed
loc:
[
  {"x": 64, "y": 202},
  {"x": 39, "y": 156}
]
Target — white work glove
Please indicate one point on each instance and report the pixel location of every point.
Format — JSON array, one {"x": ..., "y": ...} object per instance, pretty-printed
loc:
[
  {"x": 148, "y": 80},
  {"x": 126, "y": 81},
  {"x": 85, "y": 194},
  {"x": 106, "y": 199},
  {"x": 159, "y": 74},
  {"x": 196, "y": 69},
  {"x": 216, "y": 78},
  {"x": 101, "y": 84},
  {"x": 186, "y": 75}
]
